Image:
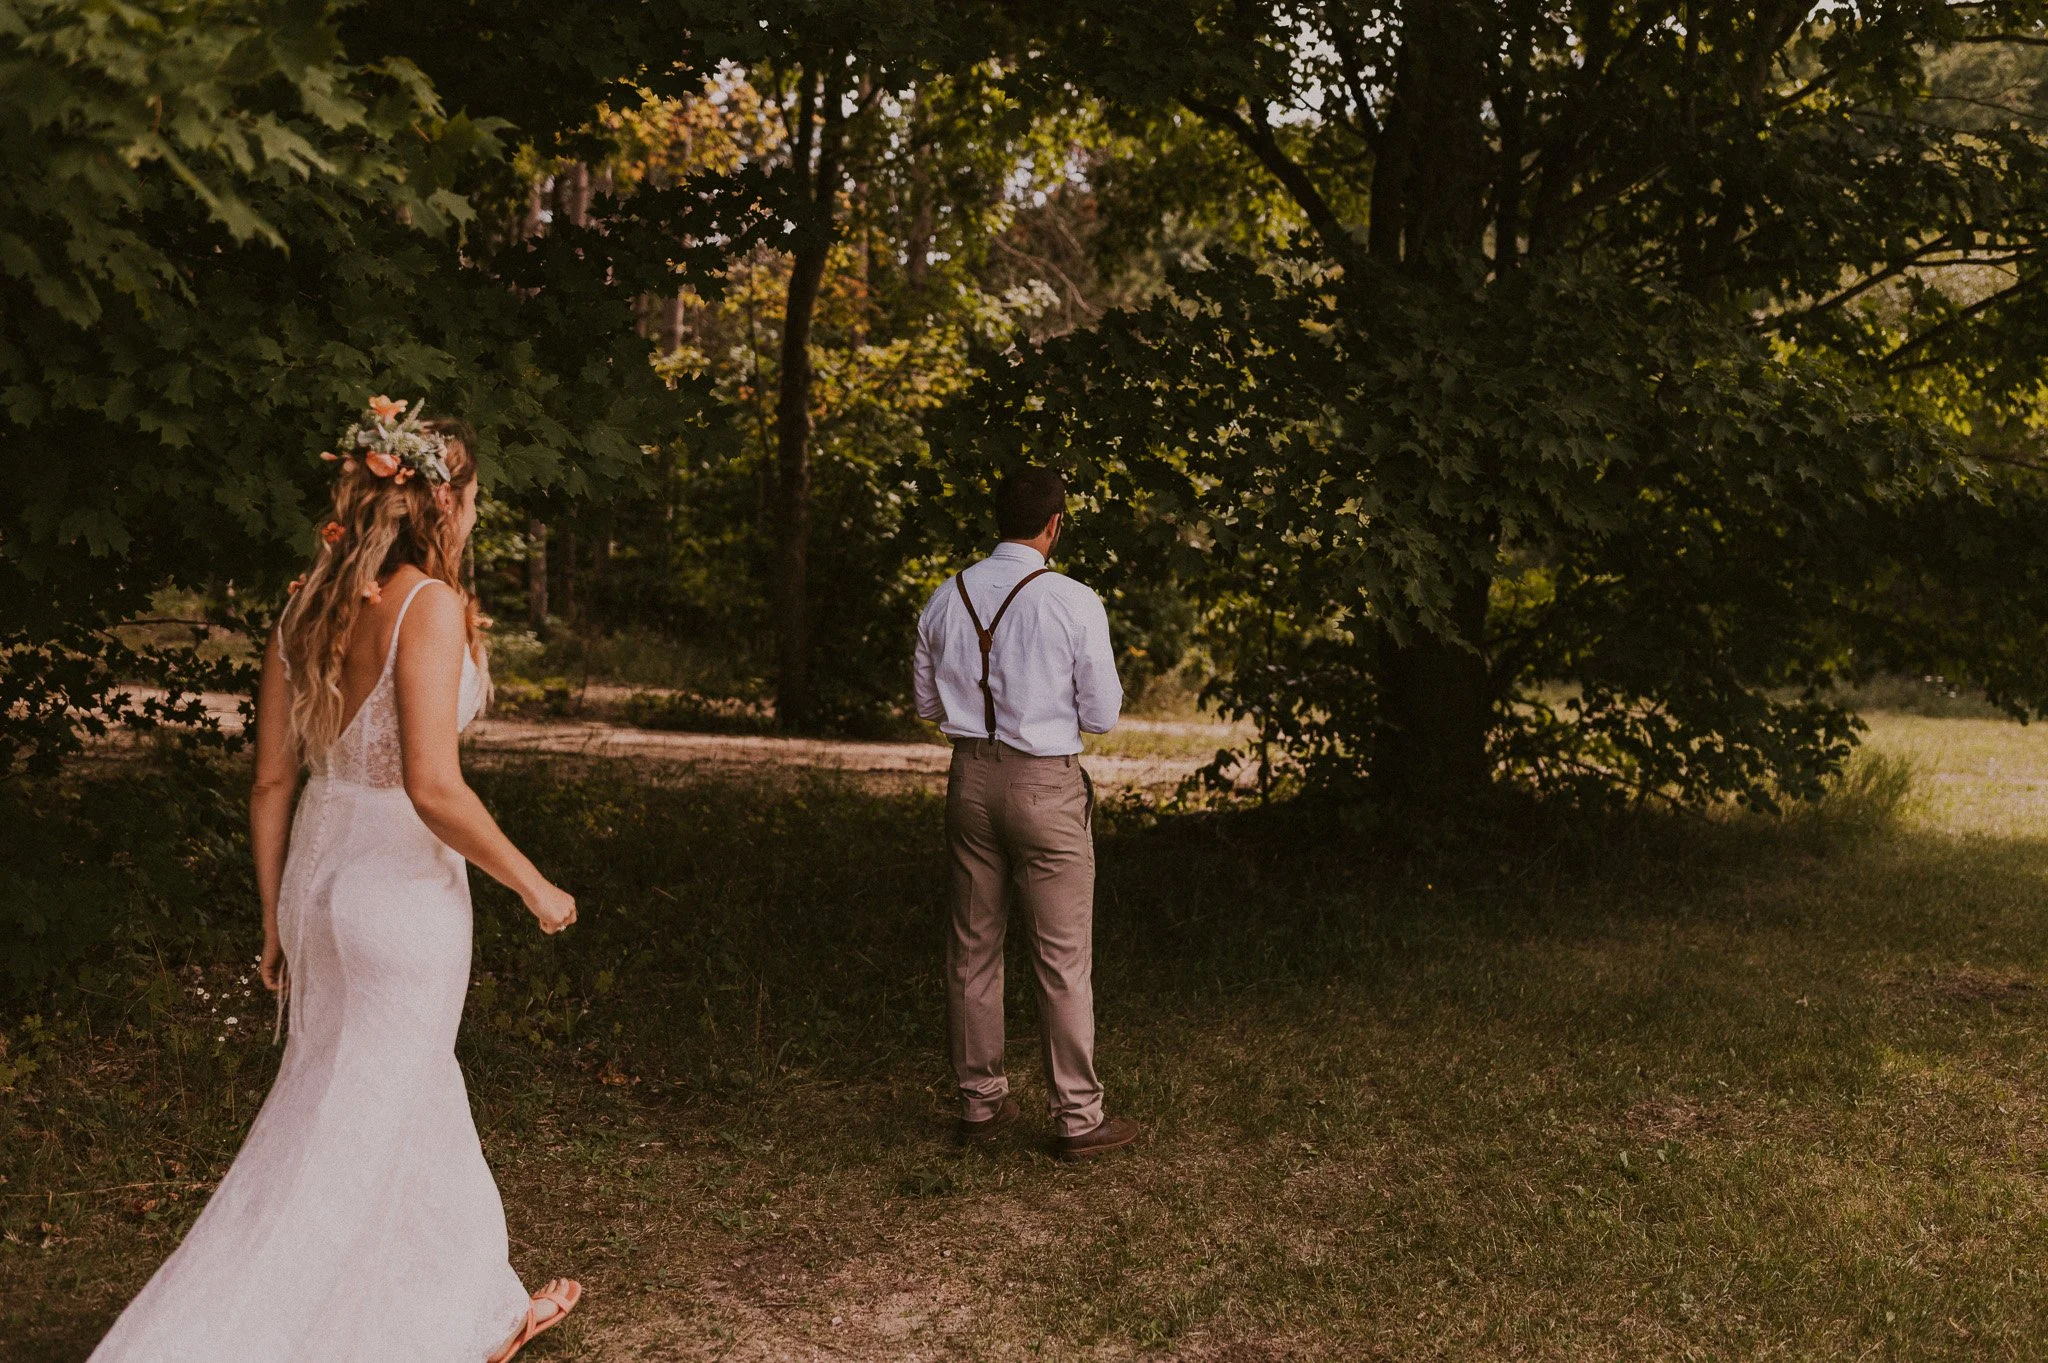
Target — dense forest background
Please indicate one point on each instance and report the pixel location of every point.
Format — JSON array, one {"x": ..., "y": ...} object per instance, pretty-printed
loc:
[{"x": 1575, "y": 396}]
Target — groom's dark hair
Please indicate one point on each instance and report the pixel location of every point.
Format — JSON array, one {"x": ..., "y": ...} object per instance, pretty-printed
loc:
[{"x": 1027, "y": 499}]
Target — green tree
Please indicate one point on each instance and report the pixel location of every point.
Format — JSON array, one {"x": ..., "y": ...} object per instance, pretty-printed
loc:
[
  {"x": 936, "y": 179},
  {"x": 1517, "y": 439},
  {"x": 824, "y": 68},
  {"x": 221, "y": 231},
  {"x": 832, "y": 73}
]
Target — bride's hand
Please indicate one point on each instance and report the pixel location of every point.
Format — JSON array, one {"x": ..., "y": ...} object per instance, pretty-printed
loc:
[
  {"x": 553, "y": 906},
  {"x": 271, "y": 968}
]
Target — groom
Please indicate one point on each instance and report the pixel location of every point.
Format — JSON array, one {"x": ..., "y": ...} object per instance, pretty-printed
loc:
[{"x": 1014, "y": 662}]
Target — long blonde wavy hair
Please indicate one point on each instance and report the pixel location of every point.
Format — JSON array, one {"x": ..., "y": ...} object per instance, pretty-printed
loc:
[{"x": 379, "y": 526}]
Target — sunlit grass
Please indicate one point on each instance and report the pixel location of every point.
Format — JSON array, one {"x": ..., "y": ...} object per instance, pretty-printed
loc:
[{"x": 1975, "y": 777}]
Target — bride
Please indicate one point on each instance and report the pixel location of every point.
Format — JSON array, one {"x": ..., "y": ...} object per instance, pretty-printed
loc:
[{"x": 359, "y": 1223}]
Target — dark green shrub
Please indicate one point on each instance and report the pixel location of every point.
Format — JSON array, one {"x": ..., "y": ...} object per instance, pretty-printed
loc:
[{"x": 149, "y": 855}]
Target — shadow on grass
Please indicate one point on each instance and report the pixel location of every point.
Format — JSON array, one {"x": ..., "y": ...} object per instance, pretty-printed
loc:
[{"x": 1555, "y": 1085}]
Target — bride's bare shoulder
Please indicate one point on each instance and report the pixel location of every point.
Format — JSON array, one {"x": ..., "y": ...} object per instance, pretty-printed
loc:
[
  {"x": 432, "y": 642},
  {"x": 437, "y": 614}
]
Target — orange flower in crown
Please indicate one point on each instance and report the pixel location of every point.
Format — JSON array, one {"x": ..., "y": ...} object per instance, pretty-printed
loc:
[
  {"x": 333, "y": 532},
  {"x": 393, "y": 445}
]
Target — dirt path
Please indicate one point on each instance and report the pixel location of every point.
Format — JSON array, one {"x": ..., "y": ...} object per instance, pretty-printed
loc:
[
  {"x": 591, "y": 739},
  {"x": 597, "y": 738}
]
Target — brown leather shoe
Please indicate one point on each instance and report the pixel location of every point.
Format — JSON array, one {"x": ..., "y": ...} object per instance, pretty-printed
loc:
[
  {"x": 974, "y": 1133},
  {"x": 1113, "y": 1134}
]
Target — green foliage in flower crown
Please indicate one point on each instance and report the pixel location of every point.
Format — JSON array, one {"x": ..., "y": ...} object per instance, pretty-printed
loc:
[{"x": 387, "y": 428}]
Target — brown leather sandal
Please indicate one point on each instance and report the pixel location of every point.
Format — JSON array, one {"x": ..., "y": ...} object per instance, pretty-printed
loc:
[{"x": 562, "y": 1294}]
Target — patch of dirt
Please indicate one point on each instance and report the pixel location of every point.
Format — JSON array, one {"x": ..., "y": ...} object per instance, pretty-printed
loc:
[
  {"x": 774, "y": 1310},
  {"x": 1241, "y": 1352},
  {"x": 1665, "y": 1118},
  {"x": 1965, "y": 985},
  {"x": 773, "y": 1277}
]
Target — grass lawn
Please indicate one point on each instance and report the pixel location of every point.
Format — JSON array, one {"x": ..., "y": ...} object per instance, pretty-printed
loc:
[{"x": 1660, "y": 1088}]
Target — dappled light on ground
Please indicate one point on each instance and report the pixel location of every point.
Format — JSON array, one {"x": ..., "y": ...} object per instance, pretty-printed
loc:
[{"x": 1562, "y": 1088}]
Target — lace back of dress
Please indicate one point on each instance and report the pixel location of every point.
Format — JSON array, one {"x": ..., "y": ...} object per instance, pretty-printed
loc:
[{"x": 367, "y": 752}]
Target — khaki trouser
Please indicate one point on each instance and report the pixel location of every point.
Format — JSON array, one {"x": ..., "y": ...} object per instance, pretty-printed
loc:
[{"x": 1018, "y": 827}]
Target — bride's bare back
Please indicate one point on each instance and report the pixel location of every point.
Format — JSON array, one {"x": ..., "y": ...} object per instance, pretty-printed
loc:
[{"x": 369, "y": 642}]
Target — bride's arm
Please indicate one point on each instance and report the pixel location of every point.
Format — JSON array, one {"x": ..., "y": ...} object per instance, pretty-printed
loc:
[
  {"x": 270, "y": 797},
  {"x": 431, "y": 646}
]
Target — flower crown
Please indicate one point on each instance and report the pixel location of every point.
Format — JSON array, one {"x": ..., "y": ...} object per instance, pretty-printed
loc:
[{"x": 394, "y": 445}]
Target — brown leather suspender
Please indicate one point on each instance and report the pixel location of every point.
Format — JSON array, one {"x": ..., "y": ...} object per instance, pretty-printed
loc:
[{"x": 988, "y": 636}]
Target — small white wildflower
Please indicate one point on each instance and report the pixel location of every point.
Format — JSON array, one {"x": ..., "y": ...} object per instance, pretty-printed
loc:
[{"x": 230, "y": 1022}]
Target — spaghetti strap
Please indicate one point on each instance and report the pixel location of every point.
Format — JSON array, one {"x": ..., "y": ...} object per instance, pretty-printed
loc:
[{"x": 391, "y": 654}]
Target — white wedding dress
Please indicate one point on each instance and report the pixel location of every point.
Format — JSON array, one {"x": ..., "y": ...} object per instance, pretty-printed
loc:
[{"x": 359, "y": 1223}]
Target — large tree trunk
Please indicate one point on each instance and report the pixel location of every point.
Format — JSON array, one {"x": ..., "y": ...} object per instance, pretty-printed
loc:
[
  {"x": 1431, "y": 194},
  {"x": 820, "y": 124},
  {"x": 793, "y": 492},
  {"x": 1436, "y": 707}
]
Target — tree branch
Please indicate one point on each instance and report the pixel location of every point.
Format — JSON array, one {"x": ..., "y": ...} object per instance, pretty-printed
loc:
[
  {"x": 800, "y": 148},
  {"x": 2012, "y": 459},
  {"x": 1558, "y": 158},
  {"x": 1890, "y": 359},
  {"x": 1891, "y": 271},
  {"x": 1257, "y": 136}
]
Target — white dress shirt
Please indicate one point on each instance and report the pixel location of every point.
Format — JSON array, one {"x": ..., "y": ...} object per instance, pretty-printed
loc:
[{"x": 1051, "y": 669}]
